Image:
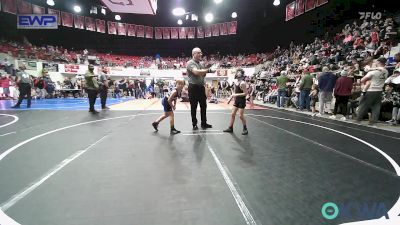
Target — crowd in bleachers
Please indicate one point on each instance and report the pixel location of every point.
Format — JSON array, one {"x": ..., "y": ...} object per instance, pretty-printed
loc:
[{"x": 296, "y": 73}]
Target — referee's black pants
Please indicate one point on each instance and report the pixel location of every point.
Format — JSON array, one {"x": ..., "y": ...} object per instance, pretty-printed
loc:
[
  {"x": 24, "y": 90},
  {"x": 197, "y": 94},
  {"x": 92, "y": 94}
]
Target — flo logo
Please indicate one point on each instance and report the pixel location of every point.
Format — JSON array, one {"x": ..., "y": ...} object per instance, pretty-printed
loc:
[
  {"x": 372, "y": 15},
  {"x": 354, "y": 210}
]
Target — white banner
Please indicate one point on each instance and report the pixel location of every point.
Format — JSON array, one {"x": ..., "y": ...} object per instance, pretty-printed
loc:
[{"x": 130, "y": 6}]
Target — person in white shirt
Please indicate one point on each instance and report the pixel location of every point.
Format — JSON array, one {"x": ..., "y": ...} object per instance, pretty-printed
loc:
[{"x": 372, "y": 97}]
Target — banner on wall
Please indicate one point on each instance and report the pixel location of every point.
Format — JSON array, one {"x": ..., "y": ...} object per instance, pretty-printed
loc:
[
  {"x": 174, "y": 32},
  {"x": 67, "y": 19},
  {"x": 310, "y": 4},
  {"x": 24, "y": 7},
  {"x": 79, "y": 22},
  {"x": 131, "y": 28},
  {"x": 51, "y": 67},
  {"x": 57, "y": 12},
  {"x": 121, "y": 29},
  {"x": 232, "y": 27},
  {"x": 300, "y": 4},
  {"x": 9, "y": 6},
  {"x": 223, "y": 29},
  {"x": 101, "y": 26},
  {"x": 321, "y": 2},
  {"x": 190, "y": 32},
  {"x": 200, "y": 32},
  {"x": 182, "y": 33},
  {"x": 149, "y": 32},
  {"x": 166, "y": 33},
  {"x": 207, "y": 32},
  {"x": 90, "y": 25},
  {"x": 38, "y": 9},
  {"x": 215, "y": 30},
  {"x": 158, "y": 33},
  {"x": 112, "y": 27},
  {"x": 139, "y": 31},
  {"x": 290, "y": 11}
]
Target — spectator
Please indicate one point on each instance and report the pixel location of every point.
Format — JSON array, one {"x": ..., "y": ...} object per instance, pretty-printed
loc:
[
  {"x": 305, "y": 88},
  {"x": 282, "y": 81},
  {"x": 326, "y": 83},
  {"x": 373, "y": 96},
  {"x": 342, "y": 92}
]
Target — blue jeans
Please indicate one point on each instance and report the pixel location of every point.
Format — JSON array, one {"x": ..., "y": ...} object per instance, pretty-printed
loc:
[
  {"x": 305, "y": 99},
  {"x": 281, "y": 98}
]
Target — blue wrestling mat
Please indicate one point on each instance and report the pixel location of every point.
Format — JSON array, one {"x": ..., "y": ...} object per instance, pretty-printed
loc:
[{"x": 60, "y": 103}]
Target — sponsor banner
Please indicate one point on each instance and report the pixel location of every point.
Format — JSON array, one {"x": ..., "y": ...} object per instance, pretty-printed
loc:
[{"x": 33, "y": 21}]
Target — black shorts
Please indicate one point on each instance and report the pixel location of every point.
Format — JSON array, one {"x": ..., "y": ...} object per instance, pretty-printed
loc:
[
  {"x": 167, "y": 107},
  {"x": 240, "y": 103}
]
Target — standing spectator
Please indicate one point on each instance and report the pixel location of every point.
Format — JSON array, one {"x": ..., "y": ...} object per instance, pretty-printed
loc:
[
  {"x": 5, "y": 84},
  {"x": 282, "y": 81},
  {"x": 314, "y": 98},
  {"x": 305, "y": 88},
  {"x": 103, "y": 87},
  {"x": 326, "y": 83},
  {"x": 24, "y": 83},
  {"x": 92, "y": 87},
  {"x": 394, "y": 98},
  {"x": 342, "y": 92},
  {"x": 372, "y": 97}
]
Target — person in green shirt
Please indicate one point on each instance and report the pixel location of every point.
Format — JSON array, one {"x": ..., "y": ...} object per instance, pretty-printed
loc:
[
  {"x": 305, "y": 88},
  {"x": 281, "y": 82},
  {"x": 92, "y": 87}
]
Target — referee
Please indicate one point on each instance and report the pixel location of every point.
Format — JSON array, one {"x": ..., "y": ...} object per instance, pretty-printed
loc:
[
  {"x": 196, "y": 73},
  {"x": 24, "y": 82}
]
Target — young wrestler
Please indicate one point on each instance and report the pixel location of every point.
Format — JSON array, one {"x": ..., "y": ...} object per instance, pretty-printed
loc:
[
  {"x": 169, "y": 104},
  {"x": 240, "y": 92}
]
